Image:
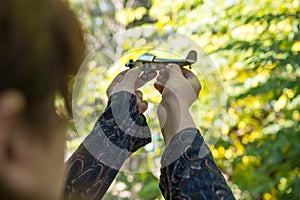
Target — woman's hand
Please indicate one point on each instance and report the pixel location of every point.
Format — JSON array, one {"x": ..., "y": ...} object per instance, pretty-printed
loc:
[
  {"x": 130, "y": 81},
  {"x": 180, "y": 89},
  {"x": 177, "y": 86}
]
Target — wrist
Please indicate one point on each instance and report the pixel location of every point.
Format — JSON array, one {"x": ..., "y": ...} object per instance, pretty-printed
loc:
[
  {"x": 122, "y": 124},
  {"x": 122, "y": 89},
  {"x": 178, "y": 118},
  {"x": 174, "y": 105}
]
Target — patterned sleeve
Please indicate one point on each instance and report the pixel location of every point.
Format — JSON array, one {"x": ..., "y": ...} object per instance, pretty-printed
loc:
[
  {"x": 189, "y": 171},
  {"x": 120, "y": 131}
]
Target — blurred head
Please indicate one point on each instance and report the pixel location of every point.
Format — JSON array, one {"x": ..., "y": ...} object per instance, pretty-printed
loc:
[{"x": 41, "y": 46}]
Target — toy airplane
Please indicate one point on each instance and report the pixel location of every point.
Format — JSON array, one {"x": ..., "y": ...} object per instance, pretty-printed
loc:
[{"x": 150, "y": 62}]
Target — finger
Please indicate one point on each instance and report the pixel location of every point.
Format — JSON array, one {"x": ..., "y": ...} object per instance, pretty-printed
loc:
[
  {"x": 131, "y": 76},
  {"x": 110, "y": 89},
  {"x": 143, "y": 106},
  {"x": 188, "y": 74},
  {"x": 139, "y": 94},
  {"x": 163, "y": 72},
  {"x": 116, "y": 80},
  {"x": 159, "y": 87},
  {"x": 162, "y": 79},
  {"x": 139, "y": 99},
  {"x": 173, "y": 70},
  {"x": 197, "y": 86},
  {"x": 193, "y": 80},
  {"x": 138, "y": 104},
  {"x": 120, "y": 76},
  {"x": 140, "y": 82}
]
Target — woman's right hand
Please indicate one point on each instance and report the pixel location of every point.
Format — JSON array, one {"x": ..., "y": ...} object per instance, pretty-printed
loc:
[
  {"x": 177, "y": 86},
  {"x": 180, "y": 89}
]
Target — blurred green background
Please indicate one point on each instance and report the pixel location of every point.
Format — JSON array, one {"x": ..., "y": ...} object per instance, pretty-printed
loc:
[{"x": 255, "y": 46}]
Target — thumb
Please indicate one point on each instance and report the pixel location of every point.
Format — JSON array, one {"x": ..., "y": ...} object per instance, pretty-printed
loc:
[
  {"x": 159, "y": 87},
  {"x": 140, "y": 82},
  {"x": 173, "y": 70}
]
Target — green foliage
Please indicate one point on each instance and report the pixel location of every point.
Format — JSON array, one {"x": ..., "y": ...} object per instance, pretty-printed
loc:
[{"x": 255, "y": 45}]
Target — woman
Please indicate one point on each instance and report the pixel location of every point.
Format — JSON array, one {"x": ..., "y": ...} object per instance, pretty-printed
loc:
[{"x": 41, "y": 46}]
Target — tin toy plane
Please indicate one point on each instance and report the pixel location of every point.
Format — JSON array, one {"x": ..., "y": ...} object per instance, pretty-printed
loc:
[{"x": 150, "y": 62}]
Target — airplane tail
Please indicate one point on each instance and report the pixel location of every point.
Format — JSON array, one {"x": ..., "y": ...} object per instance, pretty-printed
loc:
[{"x": 192, "y": 56}]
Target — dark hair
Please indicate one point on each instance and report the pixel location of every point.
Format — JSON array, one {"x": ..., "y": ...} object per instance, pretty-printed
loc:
[{"x": 41, "y": 45}]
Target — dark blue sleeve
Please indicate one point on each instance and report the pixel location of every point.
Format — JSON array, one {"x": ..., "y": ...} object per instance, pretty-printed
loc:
[
  {"x": 189, "y": 172},
  {"x": 120, "y": 131}
]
